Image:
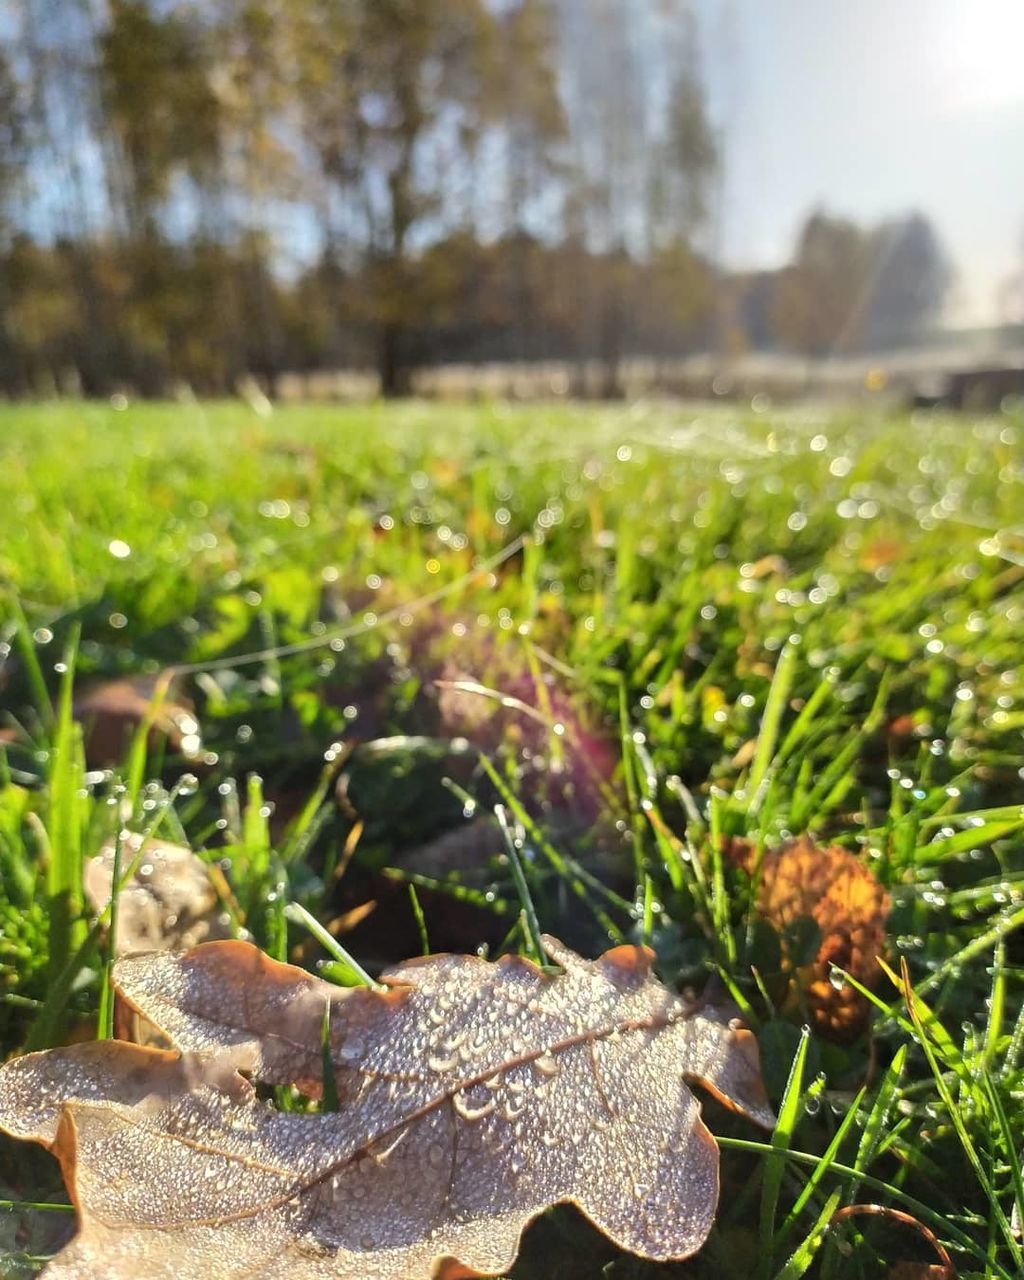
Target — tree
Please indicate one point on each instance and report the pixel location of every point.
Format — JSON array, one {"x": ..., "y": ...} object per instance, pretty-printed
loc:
[
  {"x": 162, "y": 117},
  {"x": 643, "y": 148},
  {"x": 853, "y": 288},
  {"x": 910, "y": 282},
  {"x": 821, "y": 298},
  {"x": 412, "y": 100},
  {"x": 14, "y": 140},
  {"x": 687, "y": 154},
  {"x": 14, "y": 152},
  {"x": 531, "y": 125}
]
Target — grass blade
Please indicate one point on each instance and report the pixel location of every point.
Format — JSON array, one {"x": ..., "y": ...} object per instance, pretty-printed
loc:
[
  {"x": 771, "y": 722},
  {"x": 298, "y": 914},
  {"x": 914, "y": 1006},
  {"x": 531, "y": 926},
  {"x": 805, "y": 1252},
  {"x": 105, "y": 1020},
  {"x": 329, "y": 1101},
  {"x": 421, "y": 921},
  {"x": 790, "y": 1110},
  {"x": 824, "y": 1165}
]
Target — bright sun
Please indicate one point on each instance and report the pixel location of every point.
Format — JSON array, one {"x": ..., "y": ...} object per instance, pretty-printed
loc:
[{"x": 976, "y": 53}]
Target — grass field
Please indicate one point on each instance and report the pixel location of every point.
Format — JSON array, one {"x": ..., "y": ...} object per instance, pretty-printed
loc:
[{"x": 665, "y": 641}]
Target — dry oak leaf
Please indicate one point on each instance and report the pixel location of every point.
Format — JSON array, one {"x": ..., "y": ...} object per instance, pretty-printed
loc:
[
  {"x": 472, "y": 1097},
  {"x": 169, "y": 901}
]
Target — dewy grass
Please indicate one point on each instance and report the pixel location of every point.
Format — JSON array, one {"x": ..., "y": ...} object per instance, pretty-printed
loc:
[
  {"x": 66, "y": 788},
  {"x": 696, "y": 631},
  {"x": 789, "y": 1111}
]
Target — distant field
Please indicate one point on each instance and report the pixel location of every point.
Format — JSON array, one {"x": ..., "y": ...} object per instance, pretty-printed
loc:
[{"x": 665, "y": 640}]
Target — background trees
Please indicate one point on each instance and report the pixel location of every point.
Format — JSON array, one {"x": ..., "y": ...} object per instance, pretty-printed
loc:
[
  {"x": 193, "y": 192},
  {"x": 853, "y": 288}
]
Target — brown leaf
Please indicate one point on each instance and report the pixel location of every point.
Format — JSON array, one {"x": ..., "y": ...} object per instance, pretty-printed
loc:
[
  {"x": 467, "y": 850},
  {"x": 881, "y": 552},
  {"x": 114, "y": 711},
  {"x": 170, "y": 901},
  {"x": 768, "y": 566},
  {"x": 943, "y": 1270},
  {"x": 830, "y": 886},
  {"x": 919, "y": 1271},
  {"x": 473, "y": 1096}
]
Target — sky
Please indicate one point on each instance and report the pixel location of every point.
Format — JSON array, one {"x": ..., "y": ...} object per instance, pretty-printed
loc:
[{"x": 872, "y": 108}]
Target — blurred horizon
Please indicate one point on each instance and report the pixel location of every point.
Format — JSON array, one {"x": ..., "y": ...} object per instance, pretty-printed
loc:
[
  {"x": 874, "y": 109},
  {"x": 192, "y": 193}
]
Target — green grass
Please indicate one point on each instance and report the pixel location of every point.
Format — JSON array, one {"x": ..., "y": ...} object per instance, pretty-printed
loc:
[{"x": 689, "y": 626}]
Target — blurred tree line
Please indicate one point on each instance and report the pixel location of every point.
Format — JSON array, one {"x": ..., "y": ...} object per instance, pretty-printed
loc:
[{"x": 192, "y": 190}]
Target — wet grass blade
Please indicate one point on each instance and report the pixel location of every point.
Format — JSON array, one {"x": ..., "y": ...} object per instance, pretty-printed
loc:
[
  {"x": 531, "y": 926},
  {"x": 65, "y": 780},
  {"x": 806, "y": 1251},
  {"x": 824, "y": 1165},
  {"x": 29, "y": 656},
  {"x": 329, "y": 1101},
  {"x": 105, "y": 1019},
  {"x": 953, "y": 1233},
  {"x": 771, "y": 723},
  {"x": 790, "y": 1110},
  {"x": 421, "y": 921},
  {"x": 925, "y": 1032},
  {"x": 350, "y": 967}
]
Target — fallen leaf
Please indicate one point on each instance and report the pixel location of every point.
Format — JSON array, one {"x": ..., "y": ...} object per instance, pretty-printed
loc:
[
  {"x": 766, "y": 567},
  {"x": 880, "y": 553},
  {"x": 832, "y": 887},
  {"x": 492, "y": 698},
  {"x": 113, "y": 712},
  {"x": 169, "y": 901},
  {"x": 469, "y": 851},
  {"x": 901, "y": 727},
  {"x": 919, "y": 1271},
  {"x": 472, "y": 1097},
  {"x": 943, "y": 1270}
]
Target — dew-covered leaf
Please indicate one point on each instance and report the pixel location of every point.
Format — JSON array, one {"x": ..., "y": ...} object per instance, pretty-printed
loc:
[
  {"x": 472, "y": 1096},
  {"x": 168, "y": 901}
]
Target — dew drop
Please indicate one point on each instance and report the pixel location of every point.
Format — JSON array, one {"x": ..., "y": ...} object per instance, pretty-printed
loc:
[
  {"x": 512, "y": 1110},
  {"x": 351, "y": 1049},
  {"x": 467, "y": 1111}
]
